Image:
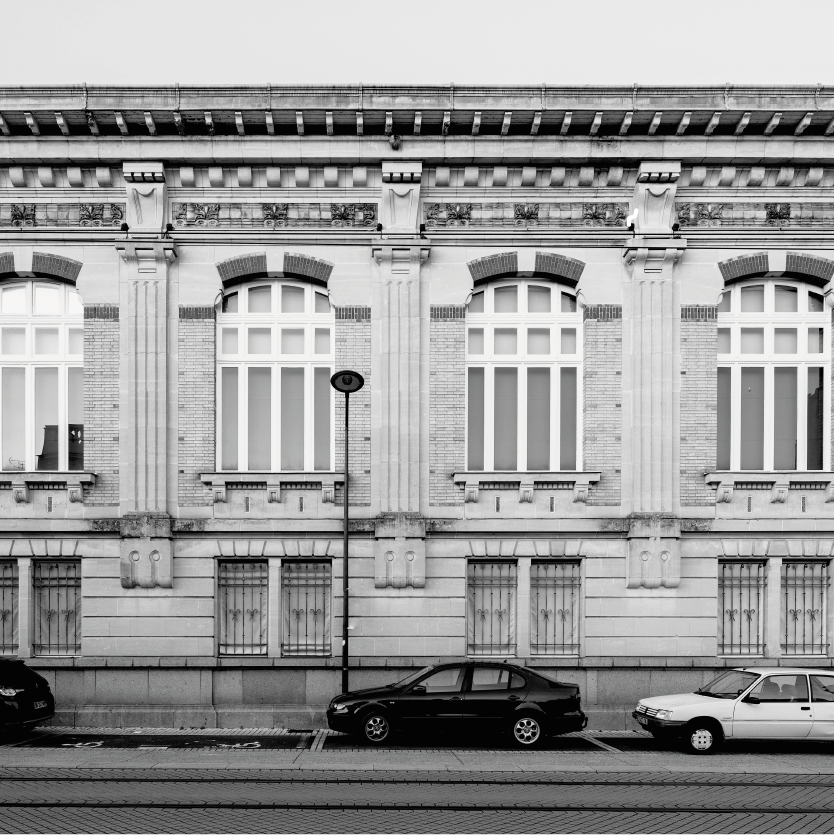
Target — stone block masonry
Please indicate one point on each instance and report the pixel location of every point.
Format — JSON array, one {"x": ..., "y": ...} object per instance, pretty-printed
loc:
[
  {"x": 101, "y": 403},
  {"x": 602, "y": 403},
  {"x": 699, "y": 350},
  {"x": 196, "y": 404},
  {"x": 447, "y": 410}
]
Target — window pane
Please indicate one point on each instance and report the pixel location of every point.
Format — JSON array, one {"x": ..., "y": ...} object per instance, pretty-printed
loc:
[
  {"x": 752, "y": 341},
  {"x": 13, "y": 301},
  {"x": 46, "y": 418},
  {"x": 321, "y": 419},
  {"x": 292, "y": 418},
  {"x": 230, "y": 303},
  {"x": 568, "y": 303},
  {"x": 725, "y": 305},
  {"x": 47, "y": 299},
  {"x": 475, "y": 419},
  {"x": 538, "y": 299},
  {"x": 786, "y": 299},
  {"x": 476, "y": 305},
  {"x": 476, "y": 340},
  {"x": 568, "y": 340},
  {"x": 13, "y": 342},
  {"x": 260, "y": 300},
  {"x": 784, "y": 418},
  {"x": 752, "y": 299},
  {"x": 815, "y": 340},
  {"x": 75, "y": 341},
  {"x": 14, "y": 399},
  {"x": 260, "y": 419},
  {"x": 292, "y": 300},
  {"x": 292, "y": 341},
  {"x": 229, "y": 341},
  {"x": 816, "y": 302},
  {"x": 75, "y": 418},
  {"x": 506, "y": 418},
  {"x": 784, "y": 341},
  {"x": 322, "y": 340},
  {"x": 815, "y": 418},
  {"x": 538, "y": 418},
  {"x": 725, "y": 426},
  {"x": 322, "y": 303},
  {"x": 506, "y": 299},
  {"x": 752, "y": 418},
  {"x": 538, "y": 341},
  {"x": 46, "y": 341},
  {"x": 74, "y": 306},
  {"x": 229, "y": 413},
  {"x": 567, "y": 419},
  {"x": 260, "y": 340},
  {"x": 506, "y": 341},
  {"x": 724, "y": 341}
]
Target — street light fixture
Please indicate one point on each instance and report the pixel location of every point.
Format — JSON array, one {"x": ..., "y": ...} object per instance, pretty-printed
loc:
[{"x": 346, "y": 382}]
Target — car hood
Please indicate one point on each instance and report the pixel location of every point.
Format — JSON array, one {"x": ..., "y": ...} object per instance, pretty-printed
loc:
[
  {"x": 367, "y": 693},
  {"x": 679, "y": 700}
]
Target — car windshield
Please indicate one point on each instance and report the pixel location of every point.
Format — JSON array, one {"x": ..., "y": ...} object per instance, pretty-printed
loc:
[
  {"x": 728, "y": 685},
  {"x": 413, "y": 677}
]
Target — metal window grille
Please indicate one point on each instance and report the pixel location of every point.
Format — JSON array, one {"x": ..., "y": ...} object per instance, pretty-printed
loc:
[
  {"x": 491, "y": 590},
  {"x": 554, "y": 599},
  {"x": 804, "y": 613},
  {"x": 8, "y": 607},
  {"x": 57, "y": 616},
  {"x": 740, "y": 614},
  {"x": 243, "y": 593},
  {"x": 306, "y": 598}
]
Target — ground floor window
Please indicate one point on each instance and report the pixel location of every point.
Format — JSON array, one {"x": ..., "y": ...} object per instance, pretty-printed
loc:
[
  {"x": 741, "y": 586},
  {"x": 243, "y": 589},
  {"x": 491, "y": 601},
  {"x": 306, "y": 594},
  {"x": 8, "y": 607},
  {"x": 803, "y": 612},
  {"x": 57, "y": 599},
  {"x": 554, "y": 604}
]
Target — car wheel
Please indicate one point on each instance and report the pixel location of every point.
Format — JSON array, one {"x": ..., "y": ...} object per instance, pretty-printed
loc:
[
  {"x": 375, "y": 728},
  {"x": 702, "y": 737},
  {"x": 527, "y": 731}
]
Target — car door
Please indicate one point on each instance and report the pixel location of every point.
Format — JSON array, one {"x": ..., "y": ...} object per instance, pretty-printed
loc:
[
  {"x": 781, "y": 709},
  {"x": 491, "y": 697},
  {"x": 435, "y": 699},
  {"x": 822, "y": 704}
]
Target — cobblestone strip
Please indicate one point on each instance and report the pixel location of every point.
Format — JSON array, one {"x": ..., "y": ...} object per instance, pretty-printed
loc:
[{"x": 318, "y": 739}]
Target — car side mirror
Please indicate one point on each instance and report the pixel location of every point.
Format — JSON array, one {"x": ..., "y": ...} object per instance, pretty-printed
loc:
[
  {"x": 753, "y": 700},
  {"x": 419, "y": 689}
]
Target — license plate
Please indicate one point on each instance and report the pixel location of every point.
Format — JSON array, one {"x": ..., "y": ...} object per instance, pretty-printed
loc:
[
  {"x": 39, "y": 705},
  {"x": 642, "y": 720}
]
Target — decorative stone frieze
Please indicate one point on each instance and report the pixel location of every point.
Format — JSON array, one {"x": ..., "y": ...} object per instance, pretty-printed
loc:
[
  {"x": 525, "y": 215},
  {"x": 275, "y": 215},
  {"x": 46, "y": 215},
  {"x": 755, "y": 215}
]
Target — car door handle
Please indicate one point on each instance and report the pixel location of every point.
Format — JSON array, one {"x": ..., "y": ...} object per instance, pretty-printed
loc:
[
  {"x": 456, "y": 699},
  {"x": 805, "y": 708},
  {"x": 515, "y": 698}
]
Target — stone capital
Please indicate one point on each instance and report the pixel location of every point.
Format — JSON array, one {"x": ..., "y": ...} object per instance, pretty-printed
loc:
[
  {"x": 404, "y": 257},
  {"x": 147, "y": 256}
]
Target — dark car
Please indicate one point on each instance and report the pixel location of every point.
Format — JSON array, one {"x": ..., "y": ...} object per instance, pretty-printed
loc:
[
  {"x": 25, "y": 697},
  {"x": 482, "y": 696}
]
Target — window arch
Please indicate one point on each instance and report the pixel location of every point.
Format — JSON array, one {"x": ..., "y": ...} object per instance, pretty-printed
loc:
[
  {"x": 275, "y": 353},
  {"x": 524, "y": 361},
  {"x": 41, "y": 377},
  {"x": 773, "y": 363}
]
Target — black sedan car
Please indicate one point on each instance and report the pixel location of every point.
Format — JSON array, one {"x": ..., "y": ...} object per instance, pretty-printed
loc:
[
  {"x": 483, "y": 696},
  {"x": 25, "y": 697}
]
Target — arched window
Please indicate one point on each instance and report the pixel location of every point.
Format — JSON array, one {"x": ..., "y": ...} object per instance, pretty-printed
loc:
[
  {"x": 275, "y": 349},
  {"x": 773, "y": 363},
  {"x": 41, "y": 377},
  {"x": 524, "y": 360}
]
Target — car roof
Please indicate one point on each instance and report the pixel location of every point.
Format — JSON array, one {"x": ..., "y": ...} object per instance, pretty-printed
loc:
[{"x": 787, "y": 670}]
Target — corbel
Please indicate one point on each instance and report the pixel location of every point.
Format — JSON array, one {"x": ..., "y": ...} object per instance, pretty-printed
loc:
[
  {"x": 525, "y": 491},
  {"x": 779, "y": 492},
  {"x": 580, "y": 490},
  {"x": 724, "y": 492},
  {"x": 328, "y": 493},
  {"x": 273, "y": 492},
  {"x": 829, "y": 492},
  {"x": 75, "y": 495},
  {"x": 471, "y": 491},
  {"x": 20, "y": 491},
  {"x": 219, "y": 493}
]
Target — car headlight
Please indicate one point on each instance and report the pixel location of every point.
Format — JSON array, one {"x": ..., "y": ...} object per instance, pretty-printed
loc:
[
  {"x": 339, "y": 707},
  {"x": 8, "y": 691},
  {"x": 664, "y": 714}
]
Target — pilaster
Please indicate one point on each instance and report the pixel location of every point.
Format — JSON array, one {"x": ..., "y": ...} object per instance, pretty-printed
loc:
[{"x": 25, "y": 604}]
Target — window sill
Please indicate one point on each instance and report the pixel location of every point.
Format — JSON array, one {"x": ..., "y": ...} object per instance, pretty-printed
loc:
[
  {"x": 273, "y": 483},
  {"x": 579, "y": 481},
  {"x": 779, "y": 482},
  {"x": 23, "y": 481}
]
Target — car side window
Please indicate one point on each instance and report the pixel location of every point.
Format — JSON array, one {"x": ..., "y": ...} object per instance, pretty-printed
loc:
[
  {"x": 822, "y": 688},
  {"x": 449, "y": 680},
  {"x": 517, "y": 682},
  {"x": 490, "y": 678},
  {"x": 787, "y": 688}
]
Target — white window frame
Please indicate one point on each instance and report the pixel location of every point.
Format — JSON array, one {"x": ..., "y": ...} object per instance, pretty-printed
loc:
[
  {"x": 65, "y": 320},
  {"x": 309, "y": 320},
  {"x": 522, "y": 321},
  {"x": 768, "y": 320}
]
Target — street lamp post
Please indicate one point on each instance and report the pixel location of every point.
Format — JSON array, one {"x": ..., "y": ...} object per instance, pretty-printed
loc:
[{"x": 346, "y": 382}]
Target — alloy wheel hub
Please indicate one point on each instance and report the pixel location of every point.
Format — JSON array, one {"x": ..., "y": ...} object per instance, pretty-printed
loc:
[
  {"x": 526, "y": 731},
  {"x": 376, "y": 728}
]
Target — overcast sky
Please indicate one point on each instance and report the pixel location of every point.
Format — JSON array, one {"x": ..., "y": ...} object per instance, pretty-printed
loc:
[{"x": 421, "y": 41}]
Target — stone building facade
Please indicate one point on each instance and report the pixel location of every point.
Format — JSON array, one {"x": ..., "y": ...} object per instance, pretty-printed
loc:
[{"x": 595, "y": 432}]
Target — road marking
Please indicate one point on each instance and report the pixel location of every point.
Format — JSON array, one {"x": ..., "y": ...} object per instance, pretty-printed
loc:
[
  {"x": 318, "y": 739},
  {"x": 599, "y": 742},
  {"x": 303, "y": 740}
]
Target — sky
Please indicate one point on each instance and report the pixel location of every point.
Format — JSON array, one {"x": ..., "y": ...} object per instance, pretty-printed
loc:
[{"x": 417, "y": 42}]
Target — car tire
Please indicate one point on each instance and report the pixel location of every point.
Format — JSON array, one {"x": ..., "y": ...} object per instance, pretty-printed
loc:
[
  {"x": 702, "y": 736},
  {"x": 375, "y": 728},
  {"x": 527, "y": 731}
]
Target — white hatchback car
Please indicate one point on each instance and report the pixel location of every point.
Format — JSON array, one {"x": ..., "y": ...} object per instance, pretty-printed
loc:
[{"x": 745, "y": 703}]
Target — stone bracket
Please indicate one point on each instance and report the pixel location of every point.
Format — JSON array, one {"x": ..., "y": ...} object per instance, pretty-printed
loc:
[
  {"x": 146, "y": 563},
  {"x": 779, "y": 492},
  {"x": 779, "y": 483},
  {"x": 473, "y": 483},
  {"x": 72, "y": 482},
  {"x": 275, "y": 483}
]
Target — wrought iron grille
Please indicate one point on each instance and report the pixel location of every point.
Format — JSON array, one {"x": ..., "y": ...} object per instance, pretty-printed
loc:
[
  {"x": 243, "y": 593},
  {"x": 491, "y": 589},
  {"x": 57, "y": 590},
  {"x": 306, "y": 599},
  {"x": 554, "y": 601},
  {"x": 803, "y": 614},
  {"x": 8, "y": 607},
  {"x": 740, "y": 607}
]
